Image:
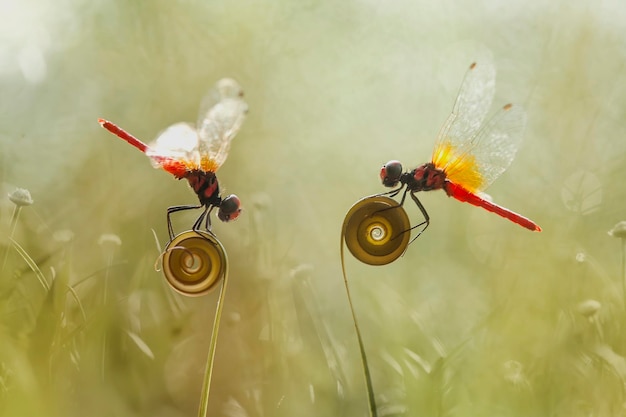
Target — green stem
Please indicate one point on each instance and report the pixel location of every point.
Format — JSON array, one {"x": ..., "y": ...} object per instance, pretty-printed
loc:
[
  {"x": 14, "y": 217},
  {"x": 624, "y": 271},
  {"x": 208, "y": 372},
  {"x": 105, "y": 290},
  {"x": 366, "y": 369}
]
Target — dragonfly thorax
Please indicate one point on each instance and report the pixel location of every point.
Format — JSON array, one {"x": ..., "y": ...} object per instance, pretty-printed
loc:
[
  {"x": 423, "y": 178},
  {"x": 205, "y": 185},
  {"x": 426, "y": 177}
]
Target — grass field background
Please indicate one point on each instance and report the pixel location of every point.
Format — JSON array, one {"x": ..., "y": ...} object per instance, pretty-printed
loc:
[{"x": 479, "y": 318}]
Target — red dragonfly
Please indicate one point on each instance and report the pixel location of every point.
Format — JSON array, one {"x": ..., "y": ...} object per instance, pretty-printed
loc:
[
  {"x": 196, "y": 153},
  {"x": 469, "y": 154}
]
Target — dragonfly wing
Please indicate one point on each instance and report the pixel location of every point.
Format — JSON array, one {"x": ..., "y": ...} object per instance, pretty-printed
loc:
[
  {"x": 473, "y": 153},
  {"x": 176, "y": 149},
  {"x": 497, "y": 142},
  {"x": 221, "y": 115},
  {"x": 472, "y": 103}
]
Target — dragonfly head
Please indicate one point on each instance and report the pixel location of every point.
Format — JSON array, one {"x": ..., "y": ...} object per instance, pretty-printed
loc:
[
  {"x": 390, "y": 173},
  {"x": 230, "y": 207}
]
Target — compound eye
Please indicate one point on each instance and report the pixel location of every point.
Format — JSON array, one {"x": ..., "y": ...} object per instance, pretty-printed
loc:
[
  {"x": 229, "y": 209},
  {"x": 390, "y": 173}
]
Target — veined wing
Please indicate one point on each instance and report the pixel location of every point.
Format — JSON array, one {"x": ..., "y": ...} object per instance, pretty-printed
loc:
[
  {"x": 477, "y": 163},
  {"x": 473, "y": 153},
  {"x": 222, "y": 113},
  {"x": 471, "y": 105},
  {"x": 497, "y": 142},
  {"x": 176, "y": 149}
]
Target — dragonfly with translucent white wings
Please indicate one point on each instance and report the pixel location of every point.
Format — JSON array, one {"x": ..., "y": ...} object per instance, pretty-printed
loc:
[
  {"x": 195, "y": 153},
  {"x": 469, "y": 154}
]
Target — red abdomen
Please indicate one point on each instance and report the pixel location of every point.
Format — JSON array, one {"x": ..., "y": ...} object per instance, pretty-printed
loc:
[{"x": 461, "y": 194}]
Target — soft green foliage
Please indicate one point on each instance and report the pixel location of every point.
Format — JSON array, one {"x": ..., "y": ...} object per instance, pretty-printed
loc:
[{"x": 479, "y": 318}]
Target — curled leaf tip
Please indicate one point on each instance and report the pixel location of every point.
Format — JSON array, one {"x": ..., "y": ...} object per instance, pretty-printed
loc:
[
  {"x": 109, "y": 239},
  {"x": 619, "y": 230}
]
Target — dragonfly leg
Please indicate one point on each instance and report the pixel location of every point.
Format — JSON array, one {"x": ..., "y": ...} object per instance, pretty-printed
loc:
[
  {"x": 207, "y": 223},
  {"x": 404, "y": 197},
  {"x": 198, "y": 223},
  {"x": 426, "y": 221},
  {"x": 174, "y": 209},
  {"x": 395, "y": 192}
]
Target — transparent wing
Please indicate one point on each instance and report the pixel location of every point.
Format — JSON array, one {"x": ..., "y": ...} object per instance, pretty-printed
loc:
[
  {"x": 176, "y": 146},
  {"x": 471, "y": 105},
  {"x": 497, "y": 142},
  {"x": 472, "y": 153},
  {"x": 221, "y": 115}
]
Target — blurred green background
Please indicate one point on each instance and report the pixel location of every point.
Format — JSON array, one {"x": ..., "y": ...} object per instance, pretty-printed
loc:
[{"x": 480, "y": 317}]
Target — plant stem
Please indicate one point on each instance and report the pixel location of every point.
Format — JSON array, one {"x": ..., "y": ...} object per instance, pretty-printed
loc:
[
  {"x": 366, "y": 371},
  {"x": 624, "y": 271},
  {"x": 14, "y": 217},
  {"x": 208, "y": 372}
]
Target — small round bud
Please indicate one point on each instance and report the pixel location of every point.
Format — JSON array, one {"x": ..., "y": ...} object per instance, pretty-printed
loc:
[
  {"x": 619, "y": 230},
  {"x": 513, "y": 373},
  {"x": 21, "y": 197},
  {"x": 589, "y": 308}
]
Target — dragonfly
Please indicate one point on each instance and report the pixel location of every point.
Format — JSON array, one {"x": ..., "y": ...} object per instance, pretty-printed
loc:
[
  {"x": 195, "y": 153},
  {"x": 470, "y": 153}
]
